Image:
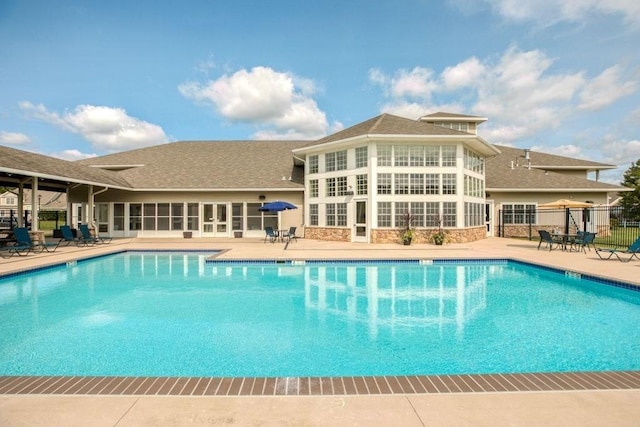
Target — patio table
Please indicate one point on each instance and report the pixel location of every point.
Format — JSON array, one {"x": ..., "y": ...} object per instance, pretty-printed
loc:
[{"x": 567, "y": 239}]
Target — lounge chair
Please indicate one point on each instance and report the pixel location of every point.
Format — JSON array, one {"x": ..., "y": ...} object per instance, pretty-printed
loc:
[
  {"x": 632, "y": 251},
  {"x": 68, "y": 238},
  {"x": 291, "y": 234},
  {"x": 545, "y": 237},
  {"x": 270, "y": 234},
  {"x": 86, "y": 234},
  {"x": 14, "y": 249},
  {"x": 24, "y": 239}
]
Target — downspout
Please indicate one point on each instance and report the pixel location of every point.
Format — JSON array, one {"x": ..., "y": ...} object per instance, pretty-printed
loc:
[{"x": 92, "y": 195}]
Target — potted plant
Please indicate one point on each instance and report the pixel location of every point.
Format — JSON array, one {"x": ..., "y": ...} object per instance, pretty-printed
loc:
[
  {"x": 407, "y": 236},
  {"x": 440, "y": 235},
  {"x": 407, "y": 232}
]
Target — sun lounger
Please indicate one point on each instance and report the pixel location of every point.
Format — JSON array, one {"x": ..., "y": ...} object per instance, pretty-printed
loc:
[
  {"x": 623, "y": 254},
  {"x": 24, "y": 239},
  {"x": 86, "y": 234}
]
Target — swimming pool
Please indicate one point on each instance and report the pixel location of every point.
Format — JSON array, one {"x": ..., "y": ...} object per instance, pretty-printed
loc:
[{"x": 173, "y": 314}]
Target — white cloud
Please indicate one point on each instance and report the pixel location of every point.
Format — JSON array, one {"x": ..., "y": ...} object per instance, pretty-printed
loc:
[
  {"x": 107, "y": 128},
  {"x": 264, "y": 97},
  {"x": 14, "y": 138},
  {"x": 72, "y": 155},
  {"x": 621, "y": 152},
  {"x": 605, "y": 89},
  {"x": 519, "y": 92},
  {"x": 549, "y": 12},
  {"x": 464, "y": 74}
]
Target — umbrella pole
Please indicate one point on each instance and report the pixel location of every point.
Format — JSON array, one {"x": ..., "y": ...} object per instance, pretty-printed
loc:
[{"x": 566, "y": 221}]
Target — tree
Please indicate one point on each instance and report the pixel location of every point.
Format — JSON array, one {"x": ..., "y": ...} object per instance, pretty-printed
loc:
[{"x": 631, "y": 199}]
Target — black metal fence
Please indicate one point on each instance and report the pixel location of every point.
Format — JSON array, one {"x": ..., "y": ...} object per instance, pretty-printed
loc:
[
  {"x": 612, "y": 225},
  {"x": 47, "y": 219}
]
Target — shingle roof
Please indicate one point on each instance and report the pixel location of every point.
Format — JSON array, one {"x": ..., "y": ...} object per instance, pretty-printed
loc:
[
  {"x": 388, "y": 124},
  {"x": 209, "y": 165},
  {"x": 25, "y": 163},
  {"x": 500, "y": 175}
]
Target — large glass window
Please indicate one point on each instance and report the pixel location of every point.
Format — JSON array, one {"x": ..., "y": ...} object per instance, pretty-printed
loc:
[
  {"x": 149, "y": 216},
  {"x": 341, "y": 214},
  {"x": 449, "y": 214},
  {"x": 118, "y": 216},
  {"x": 432, "y": 181},
  {"x": 330, "y": 162},
  {"x": 448, "y": 155},
  {"x": 135, "y": 216},
  {"x": 330, "y": 187},
  {"x": 361, "y": 157},
  {"x": 416, "y": 183},
  {"x": 401, "y": 155},
  {"x": 162, "y": 220},
  {"x": 341, "y": 160},
  {"x": 402, "y": 183},
  {"x": 330, "y": 211},
  {"x": 384, "y": 214},
  {"x": 432, "y": 214},
  {"x": 313, "y": 188},
  {"x": 177, "y": 216},
  {"x": 341, "y": 186},
  {"x": 449, "y": 183},
  {"x": 401, "y": 209},
  {"x": 384, "y": 155},
  {"x": 432, "y": 155},
  {"x": 417, "y": 210},
  {"x": 313, "y": 164},
  {"x": 313, "y": 214},
  {"x": 193, "y": 216},
  {"x": 384, "y": 183},
  {"x": 362, "y": 186},
  {"x": 520, "y": 213},
  {"x": 237, "y": 215},
  {"x": 416, "y": 155}
]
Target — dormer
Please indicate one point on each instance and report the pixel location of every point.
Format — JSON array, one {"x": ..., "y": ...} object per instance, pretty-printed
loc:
[{"x": 459, "y": 122}]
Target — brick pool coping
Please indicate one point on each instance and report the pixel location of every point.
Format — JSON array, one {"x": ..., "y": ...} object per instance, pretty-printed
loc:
[{"x": 317, "y": 386}]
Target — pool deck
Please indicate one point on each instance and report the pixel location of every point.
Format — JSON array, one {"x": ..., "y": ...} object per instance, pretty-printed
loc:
[{"x": 595, "y": 405}]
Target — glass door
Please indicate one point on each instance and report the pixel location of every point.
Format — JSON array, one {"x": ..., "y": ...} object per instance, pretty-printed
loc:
[
  {"x": 360, "y": 227},
  {"x": 214, "y": 220}
]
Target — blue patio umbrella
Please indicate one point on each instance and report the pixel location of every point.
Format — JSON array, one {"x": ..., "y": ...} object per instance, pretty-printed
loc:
[{"x": 276, "y": 206}]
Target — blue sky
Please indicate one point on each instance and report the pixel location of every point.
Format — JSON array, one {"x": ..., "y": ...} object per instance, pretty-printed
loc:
[{"x": 84, "y": 78}]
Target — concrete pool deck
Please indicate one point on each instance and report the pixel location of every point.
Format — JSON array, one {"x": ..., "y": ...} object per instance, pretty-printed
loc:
[{"x": 584, "y": 408}]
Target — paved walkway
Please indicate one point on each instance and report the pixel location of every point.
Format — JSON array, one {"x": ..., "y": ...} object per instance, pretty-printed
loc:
[{"x": 583, "y": 408}]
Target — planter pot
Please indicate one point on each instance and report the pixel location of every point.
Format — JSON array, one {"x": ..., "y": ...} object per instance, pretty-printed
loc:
[
  {"x": 406, "y": 241},
  {"x": 439, "y": 243}
]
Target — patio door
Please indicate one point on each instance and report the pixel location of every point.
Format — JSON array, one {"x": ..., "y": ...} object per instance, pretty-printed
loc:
[
  {"x": 488, "y": 216},
  {"x": 360, "y": 233},
  {"x": 214, "y": 220}
]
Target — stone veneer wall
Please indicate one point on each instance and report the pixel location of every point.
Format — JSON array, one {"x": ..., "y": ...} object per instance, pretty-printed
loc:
[
  {"x": 330, "y": 234},
  {"x": 393, "y": 235},
  {"x": 425, "y": 235}
]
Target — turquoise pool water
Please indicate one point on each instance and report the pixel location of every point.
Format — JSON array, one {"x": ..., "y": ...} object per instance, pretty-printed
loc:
[{"x": 172, "y": 314}]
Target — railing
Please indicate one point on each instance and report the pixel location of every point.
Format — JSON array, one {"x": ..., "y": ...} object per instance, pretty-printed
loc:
[{"x": 613, "y": 227}]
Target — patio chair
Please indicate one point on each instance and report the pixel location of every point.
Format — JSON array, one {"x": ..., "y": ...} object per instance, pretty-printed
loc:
[
  {"x": 270, "y": 234},
  {"x": 632, "y": 251},
  {"x": 291, "y": 234},
  {"x": 68, "y": 238},
  {"x": 24, "y": 239},
  {"x": 584, "y": 241},
  {"x": 545, "y": 237},
  {"x": 86, "y": 234}
]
